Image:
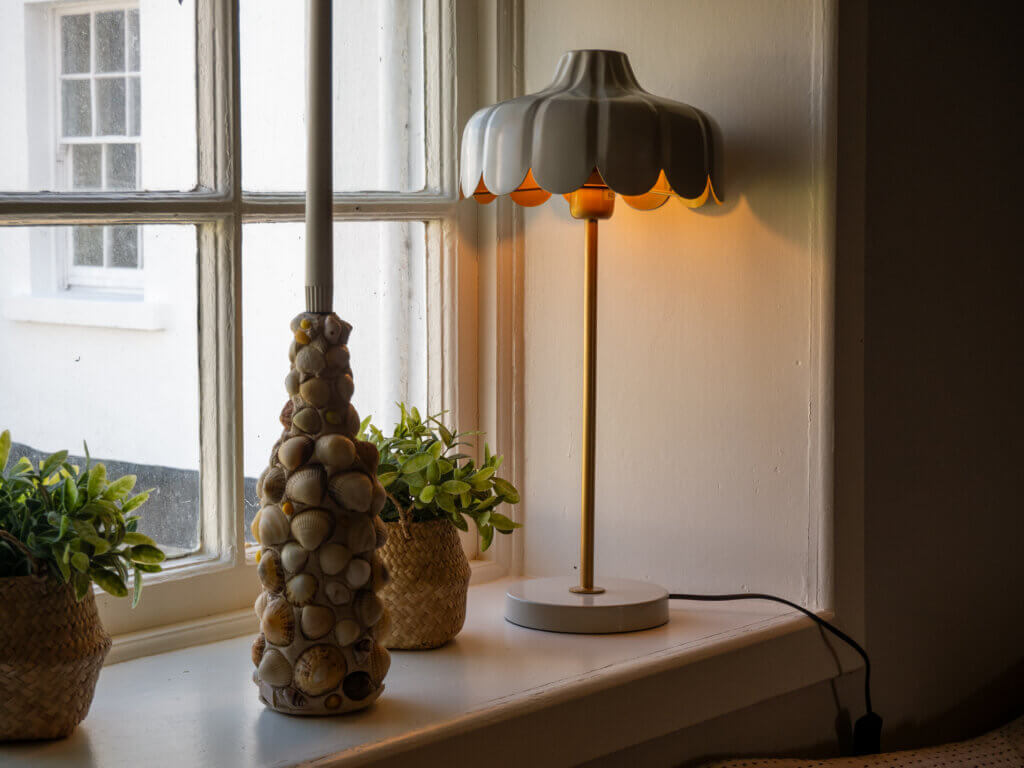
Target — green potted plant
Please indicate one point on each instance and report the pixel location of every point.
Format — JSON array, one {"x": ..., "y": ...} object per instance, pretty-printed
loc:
[
  {"x": 62, "y": 529},
  {"x": 432, "y": 488}
]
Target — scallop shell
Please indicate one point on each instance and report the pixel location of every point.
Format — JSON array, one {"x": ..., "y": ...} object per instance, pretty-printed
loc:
[
  {"x": 369, "y": 456},
  {"x": 352, "y": 490},
  {"x": 334, "y": 557},
  {"x": 275, "y": 669},
  {"x": 380, "y": 663},
  {"x": 259, "y": 645},
  {"x": 308, "y": 420},
  {"x": 271, "y": 485},
  {"x": 319, "y": 669},
  {"x": 362, "y": 536},
  {"x": 286, "y": 414},
  {"x": 358, "y": 686},
  {"x": 378, "y": 498},
  {"x": 293, "y": 556},
  {"x": 345, "y": 387},
  {"x": 335, "y": 451},
  {"x": 309, "y": 359},
  {"x": 316, "y": 621},
  {"x": 337, "y": 592},
  {"x": 273, "y": 525},
  {"x": 306, "y": 485},
  {"x": 301, "y": 589},
  {"x": 291, "y": 382},
  {"x": 294, "y": 451},
  {"x": 316, "y": 391},
  {"x": 260, "y": 605},
  {"x": 368, "y": 608},
  {"x": 270, "y": 571},
  {"x": 337, "y": 358},
  {"x": 347, "y": 632},
  {"x": 351, "y": 426},
  {"x": 357, "y": 573},
  {"x": 311, "y": 527},
  {"x": 278, "y": 622}
]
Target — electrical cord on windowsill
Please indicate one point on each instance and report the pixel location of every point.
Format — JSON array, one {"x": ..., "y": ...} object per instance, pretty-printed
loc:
[{"x": 867, "y": 731}]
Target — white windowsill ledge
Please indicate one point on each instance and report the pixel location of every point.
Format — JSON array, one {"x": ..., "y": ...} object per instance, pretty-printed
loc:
[
  {"x": 518, "y": 696},
  {"x": 88, "y": 309}
]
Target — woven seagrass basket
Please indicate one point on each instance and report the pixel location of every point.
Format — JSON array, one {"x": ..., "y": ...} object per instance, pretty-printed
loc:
[
  {"x": 51, "y": 651},
  {"x": 426, "y": 597}
]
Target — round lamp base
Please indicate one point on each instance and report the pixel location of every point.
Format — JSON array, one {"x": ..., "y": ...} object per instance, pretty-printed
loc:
[{"x": 624, "y": 606}]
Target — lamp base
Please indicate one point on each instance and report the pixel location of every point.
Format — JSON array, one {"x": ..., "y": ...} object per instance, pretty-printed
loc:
[{"x": 624, "y": 606}]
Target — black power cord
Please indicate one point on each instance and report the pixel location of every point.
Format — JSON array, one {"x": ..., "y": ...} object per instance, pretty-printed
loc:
[{"x": 867, "y": 731}]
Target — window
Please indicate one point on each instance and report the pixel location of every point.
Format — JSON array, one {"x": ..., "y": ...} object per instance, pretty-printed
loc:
[{"x": 185, "y": 194}]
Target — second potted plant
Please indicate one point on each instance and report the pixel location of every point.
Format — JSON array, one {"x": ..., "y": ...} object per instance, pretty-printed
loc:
[{"x": 433, "y": 488}]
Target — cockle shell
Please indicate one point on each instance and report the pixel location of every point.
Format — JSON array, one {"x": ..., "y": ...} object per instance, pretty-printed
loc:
[
  {"x": 347, "y": 632},
  {"x": 357, "y": 573},
  {"x": 260, "y": 604},
  {"x": 278, "y": 622},
  {"x": 286, "y": 414},
  {"x": 254, "y": 526},
  {"x": 380, "y": 663},
  {"x": 319, "y": 669},
  {"x": 337, "y": 592},
  {"x": 334, "y": 557},
  {"x": 291, "y": 382},
  {"x": 293, "y": 351},
  {"x": 351, "y": 490},
  {"x": 275, "y": 669},
  {"x": 337, "y": 359},
  {"x": 273, "y": 526},
  {"x": 345, "y": 387},
  {"x": 294, "y": 451},
  {"x": 270, "y": 570},
  {"x": 351, "y": 426},
  {"x": 369, "y": 456},
  {"x": 378, "y": 498},
  {"x": 306, "y": 485},
  {"x": 311, "y": 527},
  {"x": 335, "y": 451},
  {"x": 358, "y": 686},
  {"x": 272, "y": 488},
  {"x": 362, "y": 536},
  {"x": 301, "y": 589},
  {"x": 309, "y": 359},
  {"x": 316, "y": 621},
  {"x": 259, "y": 645},
  {"x": 293, "y": 557},
  {"x": 308, "y": 420},
  {"x": 316, "y": 391},
  {"x": 368, "y": 608}
]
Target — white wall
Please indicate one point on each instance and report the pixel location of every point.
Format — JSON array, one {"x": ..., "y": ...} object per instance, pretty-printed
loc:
[{"x": 709, "y": 369}]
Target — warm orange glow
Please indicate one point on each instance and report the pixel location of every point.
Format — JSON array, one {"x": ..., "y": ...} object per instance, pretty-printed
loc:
[{"x": 529, "y": 192}]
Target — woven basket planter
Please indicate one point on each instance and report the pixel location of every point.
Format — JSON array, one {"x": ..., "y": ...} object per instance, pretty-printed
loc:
[
  {"x": 426, "y": 597},
  {"x": 51, "y": 651}
]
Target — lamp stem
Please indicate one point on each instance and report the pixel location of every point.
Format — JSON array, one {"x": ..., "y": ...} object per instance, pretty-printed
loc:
[
  {"x": 586, "y": 585},
  {"x": 319, "y": 162}
]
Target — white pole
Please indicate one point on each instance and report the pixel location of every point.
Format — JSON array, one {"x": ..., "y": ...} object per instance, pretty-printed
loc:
[{"x": 319, "y": 160}]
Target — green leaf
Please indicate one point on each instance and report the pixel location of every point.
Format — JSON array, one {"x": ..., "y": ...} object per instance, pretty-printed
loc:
[
  {"x": 454, "y": 487},
  {"x": 435, "y": 449},
  {"x": 5, "y": 448},
  {"x": 60, "y": 558},
  {"x": 52, "y": 463},
  {"x": 444, "y": 466},
  {"x": 135, "y": 502},
  {"x": 486, "y": 537},
  {"x": 108, "y": 582},
  {"x": 506, "y": 490},
  {"x": 459, "y": 521},
  {"x": 387, "y": 478},
  {"x": 148, "y": 568},
  {"x": 145, "y": 553},
  {"x": 70, "y": 496},
  {"x": 131, "y": 539},
  {"x": 137, "y": 592},
  {"x": 417, "y": 463},
  {"x": 481, "y": 477},
  {"x": 80, "y": 562},
  {"x": 445, "y": 502},
  {"x": 97, "y": 480},
  {"x": 82, "y": 583},
  {"x": 466, "y": 499},
  {"x": 427, "y": 494},
  {"x": 119, "y": 488},
  {"x": 447, "y": 436},
  {"x": 502, "y": 523}
]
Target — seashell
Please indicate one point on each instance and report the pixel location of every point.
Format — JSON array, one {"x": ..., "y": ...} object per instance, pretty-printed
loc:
[
  {"x": 301, "y": 589},
  {"x": 351, "y": 490},
  {"x": 337, "y": 358},
  {"x": 336, "y": 330},
  {"x": 286, "y": 414},
  {"x": 309, "y": 359},
  {"x": 270, "y": 571},
  {"x": 381, "y": 575},
  {"x": 311, "y": 527},
  {"x": 306, "y": 485},
  {"x": 383, "y": 625},
  {"x": 293, "y": 557},
  {"x": 293, "y": 351},
  {"x": 334, "y": 557},
  {"x": 316, "y": 621},
  {"x": 382, "y": 532},
  {"x": 260, "y": 604},
  {"x": 351, "y": 426},
  {"x": 273, "y": 526},
  {"x": 378, "y": 498},
  {"x": 345, "y": 387},
  {"x": 361, "y": 649},
  {"x": 288, "y": 508},
  {"x": 254, "y": 526},
  {"x": 301, "y": 337},
  {"x": 275, "y": 669},
  {"x": 380, "y": 663},
  {"x": 289, "y": 698},
  {"x": 369, "y": 456},
  {"x": 362, "y": 536},
  {"x": 278, "y": 622},
  {"x": 368, "y": 608},
  {"x": 358, "y": 686},
  {"x": 337, "y": 592},
  {"x": 259, "y": 645},
  {"x": 295, "y": 451},
  {"x": 347, "y": 632},
  {"x": 319, "y": 669},
  {"x": 271, "y": 485},
  {"x": 308, "y": 420},
  {"x": 316, "y": 391},
  {"x": 333, "y": 701},
  {"x": 335, "y": 451},
  {"x": 357, "y": 573},
  {"x": 291, "y": 382}
]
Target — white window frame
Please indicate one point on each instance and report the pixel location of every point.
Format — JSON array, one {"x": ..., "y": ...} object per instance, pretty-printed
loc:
[{"x": 220, "y": 580}]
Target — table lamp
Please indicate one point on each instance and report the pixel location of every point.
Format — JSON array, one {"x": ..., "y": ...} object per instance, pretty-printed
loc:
[{"x": 592, "y": 134}]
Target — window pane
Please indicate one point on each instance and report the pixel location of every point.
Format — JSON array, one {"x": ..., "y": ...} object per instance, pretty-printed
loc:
[
  {"x": 110, "y": 106},
  {"x": 132, "y": 394},
  {"x": 76, "y": 109},
  {"x": 110, "y": 41},
  {"x": 86, "y": 173},
  {"x": 120, "y": 166},
  {"x": 378, "y": 99},
  {"x": 46, "y": 88},
  {"x": 124, "y": 246},
  {"x": 74, "y": 33},
  {"x": 380, "y": 288},
  {"x": 88, "y": 246}
]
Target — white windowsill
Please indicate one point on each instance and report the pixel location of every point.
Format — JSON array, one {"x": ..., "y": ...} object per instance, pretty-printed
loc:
[
  {"x": 517, "y": 695},
  {"x": 88, "y": 309}
]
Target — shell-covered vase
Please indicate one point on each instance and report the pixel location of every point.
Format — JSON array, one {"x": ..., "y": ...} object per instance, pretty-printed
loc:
[{"x": 318, "y": 651}]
